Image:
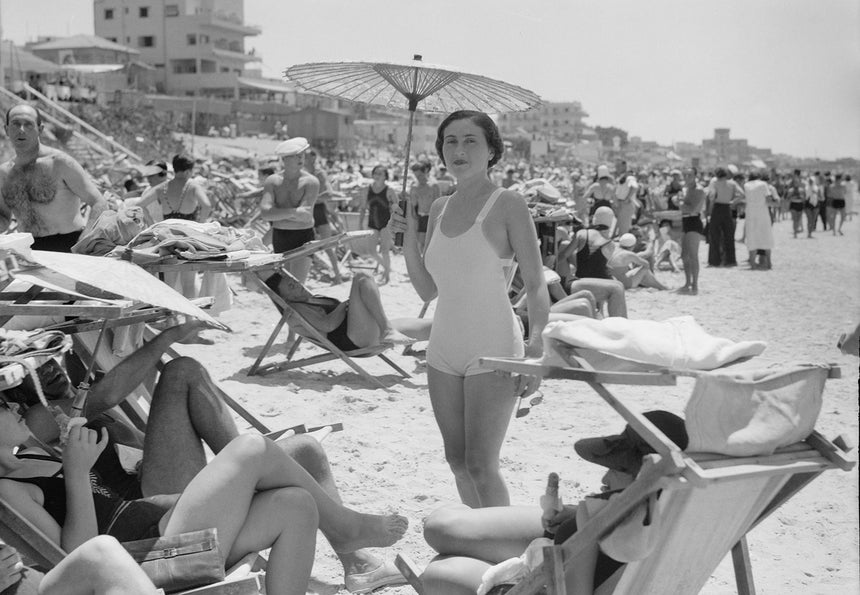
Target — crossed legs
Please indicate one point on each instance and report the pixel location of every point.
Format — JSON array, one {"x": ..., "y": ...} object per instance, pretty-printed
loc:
[
  {"x": 188, "y": 407},
  {"x": 473, "y": 414}
]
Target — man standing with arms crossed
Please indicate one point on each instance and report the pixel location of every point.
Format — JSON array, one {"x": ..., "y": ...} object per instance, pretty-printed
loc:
[
  {"x": 288, "y": 204},
  {"x": 44, "y": 187}
]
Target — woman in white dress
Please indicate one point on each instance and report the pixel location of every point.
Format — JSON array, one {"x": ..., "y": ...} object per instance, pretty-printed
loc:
[{"x": 759, "y": 234}]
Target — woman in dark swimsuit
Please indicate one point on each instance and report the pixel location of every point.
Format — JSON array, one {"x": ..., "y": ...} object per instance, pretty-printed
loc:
[
  {"x": 380, "y": 201},
  {"x": 180, "y": 197}
]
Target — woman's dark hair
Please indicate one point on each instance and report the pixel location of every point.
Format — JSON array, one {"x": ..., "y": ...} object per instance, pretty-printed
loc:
[
  {"x": 182, "y": 163},
  {"x": 379, "y": 167},
  {"x": 721, "y": 173},
  {"x": 754, "y": 175},
  {"x": 484, "y": 122}
]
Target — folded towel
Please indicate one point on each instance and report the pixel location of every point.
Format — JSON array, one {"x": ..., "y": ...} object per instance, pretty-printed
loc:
[{"x": 678, "y": 343}]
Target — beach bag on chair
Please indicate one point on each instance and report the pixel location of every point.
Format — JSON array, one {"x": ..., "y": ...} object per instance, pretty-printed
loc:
[{"x": 181, "y": 561}]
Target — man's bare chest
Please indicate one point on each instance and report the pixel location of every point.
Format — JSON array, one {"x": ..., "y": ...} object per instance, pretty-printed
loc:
[
  {"x": 288, "y": 194},
  {"x": 32, "y": 185}
]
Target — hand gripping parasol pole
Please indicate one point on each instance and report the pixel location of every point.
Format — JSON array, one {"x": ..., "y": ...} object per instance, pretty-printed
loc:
[{"x": 413, "y": 105}]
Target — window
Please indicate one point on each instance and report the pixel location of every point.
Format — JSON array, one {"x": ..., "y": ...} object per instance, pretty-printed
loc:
[
  {"x": 108, "y": 14},
  {"x": 171, "y": 10},
  {"x": 146, "y": 41},
  {"x": 144, "y": 12},
  {"x": 113, "y": 39},
  {"x": 204, "y": 38},
  {"x": 192, "y": 39}
]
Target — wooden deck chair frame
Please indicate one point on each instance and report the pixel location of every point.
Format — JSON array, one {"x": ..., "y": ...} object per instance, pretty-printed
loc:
[
  {"x": 316, "y": 337},
  {"x": 715, "y": 495},
  {"x": 39, "y": 551}
]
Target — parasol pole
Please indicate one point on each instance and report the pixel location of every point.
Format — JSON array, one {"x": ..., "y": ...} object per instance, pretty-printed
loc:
[{"x": 413, "y": 105}]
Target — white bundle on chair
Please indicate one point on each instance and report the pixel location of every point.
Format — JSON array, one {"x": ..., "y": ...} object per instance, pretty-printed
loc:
[{"x": 678, "y": 343}]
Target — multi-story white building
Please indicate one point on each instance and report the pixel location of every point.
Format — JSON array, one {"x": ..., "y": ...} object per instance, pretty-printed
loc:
[
  {"x": 552, "y": 120},
  {"x": 197, "y": 46}
]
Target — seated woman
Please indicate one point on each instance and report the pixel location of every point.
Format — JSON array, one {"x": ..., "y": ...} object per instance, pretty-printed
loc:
[
  {"x": 629, "y": 268},
  {"x": 255, "y": 495},
  {"x": 470, "y": 541},
  {"x": 357, "y": 323}
]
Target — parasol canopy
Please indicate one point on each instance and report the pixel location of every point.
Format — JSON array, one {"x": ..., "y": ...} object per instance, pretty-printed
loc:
[{"x": 411, "y": 85}]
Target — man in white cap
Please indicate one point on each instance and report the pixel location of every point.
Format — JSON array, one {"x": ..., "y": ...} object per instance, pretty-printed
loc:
[{"x": 288, "y": 204}]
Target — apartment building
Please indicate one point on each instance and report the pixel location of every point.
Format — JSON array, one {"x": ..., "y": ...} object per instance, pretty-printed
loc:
[
  {"x": 196, "y": 46},
  {"x": 556, "y": 120}
]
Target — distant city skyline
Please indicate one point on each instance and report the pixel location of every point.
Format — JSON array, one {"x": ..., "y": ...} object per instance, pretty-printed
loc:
[{"x": 784, "y": 74}]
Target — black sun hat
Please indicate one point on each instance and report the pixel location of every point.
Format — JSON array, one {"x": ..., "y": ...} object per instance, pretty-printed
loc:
[{"x": 624, "y": 451}]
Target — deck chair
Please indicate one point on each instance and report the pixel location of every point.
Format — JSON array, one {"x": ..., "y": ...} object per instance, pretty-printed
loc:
[
  {"x": 40, "y": 552},
  {"x": 331, "y": 352},
  {"x": 718, "y": 496}
]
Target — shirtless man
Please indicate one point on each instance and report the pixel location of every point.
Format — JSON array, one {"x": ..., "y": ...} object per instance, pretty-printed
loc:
[
  {"x": 288, "y": 204},
  {"x": 423, "y": 194},
  {"x": 43, "y": 187}
]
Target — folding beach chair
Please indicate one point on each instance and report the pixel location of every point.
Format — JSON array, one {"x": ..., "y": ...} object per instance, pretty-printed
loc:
[
  {"x": 40, "y": 552},
  {"x": 312, "y": 335},
  {"x": 709, "y": 502}
]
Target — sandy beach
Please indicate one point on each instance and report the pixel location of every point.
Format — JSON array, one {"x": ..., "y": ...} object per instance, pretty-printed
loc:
[{"x": 389, "y": 456}]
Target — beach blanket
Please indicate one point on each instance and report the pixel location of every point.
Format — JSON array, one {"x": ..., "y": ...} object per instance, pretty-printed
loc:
[{"x": 678, "y": 343}]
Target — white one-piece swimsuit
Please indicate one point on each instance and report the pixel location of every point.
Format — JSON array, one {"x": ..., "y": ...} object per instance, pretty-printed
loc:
[{"x": 473, "y": 316}]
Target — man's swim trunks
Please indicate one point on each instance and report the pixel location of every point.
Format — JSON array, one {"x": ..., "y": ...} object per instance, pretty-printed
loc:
[
  {"x": 60, "y": 242},
  {"x": 284, "y": 240}
]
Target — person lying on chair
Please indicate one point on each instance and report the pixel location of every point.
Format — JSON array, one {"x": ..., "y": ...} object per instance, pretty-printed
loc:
[
  {"x": 470, "y": 541},
  {"x": 100, "y": 566},
  {"x": 187, "y": 410},
  {"x": 356, "y": 323}
]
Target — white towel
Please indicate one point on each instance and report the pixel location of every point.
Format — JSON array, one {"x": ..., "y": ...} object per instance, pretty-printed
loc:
[{"x": 678, "y": 343}]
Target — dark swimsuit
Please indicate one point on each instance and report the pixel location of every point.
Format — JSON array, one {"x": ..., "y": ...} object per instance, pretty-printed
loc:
[
  {"x": 192, "y": 216},
  {"x": 591, "y": 265},
  {"x": 378, "y": 209},
  {"x": 126, "y": 520}
]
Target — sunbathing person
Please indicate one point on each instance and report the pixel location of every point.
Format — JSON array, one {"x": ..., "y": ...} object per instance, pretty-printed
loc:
[
  {"x": 187, "y": 410},
  {"x": 100, "y": 566},
  {"x": 470, "y": 541},
  {"x": 629, "y": 268},
  {"x": 358, "y": 322}
]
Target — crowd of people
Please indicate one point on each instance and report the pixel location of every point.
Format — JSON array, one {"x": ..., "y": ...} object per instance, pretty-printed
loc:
[{"x": 469, "y": 217}]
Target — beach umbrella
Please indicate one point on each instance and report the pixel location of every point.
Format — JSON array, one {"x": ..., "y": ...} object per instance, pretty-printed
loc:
[{"x": 412, "y": 85}]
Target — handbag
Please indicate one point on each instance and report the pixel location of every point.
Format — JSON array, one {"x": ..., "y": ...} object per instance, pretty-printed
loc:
[{"x": 181, "y": 561}]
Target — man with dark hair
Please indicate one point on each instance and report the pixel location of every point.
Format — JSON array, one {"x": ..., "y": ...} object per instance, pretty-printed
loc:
[{"x": 44, "y": 187}]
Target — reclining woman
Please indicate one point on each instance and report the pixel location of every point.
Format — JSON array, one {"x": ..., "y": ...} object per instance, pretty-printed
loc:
[
  {"x": 358, "y": 322},
  {"x": 255, "y": 495}
]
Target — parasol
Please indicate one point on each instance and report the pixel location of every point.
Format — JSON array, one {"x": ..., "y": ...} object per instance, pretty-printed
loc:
[{"x": 411, "y": 85}]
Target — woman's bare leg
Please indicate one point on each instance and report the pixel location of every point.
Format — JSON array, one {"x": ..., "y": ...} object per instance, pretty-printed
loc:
[
  {"x": 488, "y": 407},
  {"x": 251, "y": 464},
  {"x": 99, "y": 566},
  {"x": 385, "y": 244},
  {"x": 453, "y": 575},
  {"x": 367, "y": 323},
  {"x": 493, "y": 534},
  {"x": 447, "y": 398},
  {"x": 693, "y": 264}
]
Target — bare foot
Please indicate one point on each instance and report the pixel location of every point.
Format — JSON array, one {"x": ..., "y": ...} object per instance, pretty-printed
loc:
[
  {"x": 370, "y": 530},
  {"x": 394, "y": 337}
]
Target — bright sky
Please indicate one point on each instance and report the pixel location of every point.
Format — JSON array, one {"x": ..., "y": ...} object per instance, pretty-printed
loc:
[{"x": 784, "y": 74}]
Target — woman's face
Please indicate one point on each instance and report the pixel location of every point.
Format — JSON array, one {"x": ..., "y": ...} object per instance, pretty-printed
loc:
[
  {"x": 13, "y": 429},
  {"x": 378, "y": 177},
  {"x": 465, "y": 149}
]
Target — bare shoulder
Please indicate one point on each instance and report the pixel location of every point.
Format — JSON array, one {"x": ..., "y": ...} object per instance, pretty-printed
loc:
[
  {"x": 309, "y": 181},
  {"x": 513, "y": 205},
  {"x": 274, "y": 180},
  {"x": 438, "y": 205}
]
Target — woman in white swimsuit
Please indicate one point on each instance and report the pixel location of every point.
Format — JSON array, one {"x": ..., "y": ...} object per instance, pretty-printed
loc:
[{"x": 471, "y": 236}]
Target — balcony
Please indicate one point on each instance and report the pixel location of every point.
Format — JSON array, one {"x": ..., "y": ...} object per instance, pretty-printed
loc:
[
  {"x": 235, "y": 56},
  {"x": 226, "y": 22}
]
